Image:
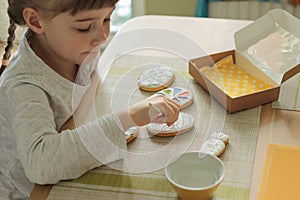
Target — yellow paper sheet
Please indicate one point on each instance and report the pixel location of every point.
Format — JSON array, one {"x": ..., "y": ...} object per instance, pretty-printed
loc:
[
  {"x": 281, "y": 174},
  {"x": 233, "y": 80}
]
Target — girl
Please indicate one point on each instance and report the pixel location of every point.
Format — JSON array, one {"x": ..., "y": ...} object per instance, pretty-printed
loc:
[{"x": 42, "y": 120}]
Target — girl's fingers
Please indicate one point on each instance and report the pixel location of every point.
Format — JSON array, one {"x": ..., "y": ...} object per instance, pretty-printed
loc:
[
  {"x": 155, "y": 109},
  {"x": 169, "y": 101},
  {"x": 161, "y": 119},
  {"x": 173, "y": 112},
  {"x": 166, "y": 110}
]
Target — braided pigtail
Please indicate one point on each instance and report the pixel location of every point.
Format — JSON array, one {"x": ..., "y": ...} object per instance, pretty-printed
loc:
[{"x": 9, "y": 46}]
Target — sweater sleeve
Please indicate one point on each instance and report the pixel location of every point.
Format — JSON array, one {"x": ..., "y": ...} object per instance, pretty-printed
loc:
[{"x": 48, "y": 156}]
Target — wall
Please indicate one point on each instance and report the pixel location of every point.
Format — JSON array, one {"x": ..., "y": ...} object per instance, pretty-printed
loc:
[
  {"x": 164, "y": 7},
  {"x": 248, "y": 9},
  {"x": 231, "y": 9}
]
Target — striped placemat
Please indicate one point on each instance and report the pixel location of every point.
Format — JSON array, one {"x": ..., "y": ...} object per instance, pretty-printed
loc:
[
  {"x": 289, "y": 98},
  {"x": 107, "y": 183}
]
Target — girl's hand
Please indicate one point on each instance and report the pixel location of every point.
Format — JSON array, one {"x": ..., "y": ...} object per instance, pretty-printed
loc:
[{"x": 156, "y": 109}]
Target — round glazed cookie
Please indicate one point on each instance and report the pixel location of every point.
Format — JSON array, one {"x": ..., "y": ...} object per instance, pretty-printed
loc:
[
  {"x": 131, "y": 134},
  {"x": 184, "y": 123},
  {"x": 180, "y": 95},
  {"x": 156, "y": 78},
  {"x": 213, "y": 146}
]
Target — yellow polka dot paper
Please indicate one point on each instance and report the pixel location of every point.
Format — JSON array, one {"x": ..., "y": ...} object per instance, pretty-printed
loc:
[{"x": 233, "y": 80}]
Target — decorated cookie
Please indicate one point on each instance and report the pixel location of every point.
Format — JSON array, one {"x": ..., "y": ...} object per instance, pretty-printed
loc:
[
  {"x": 156, "y": 78},
  {"x": 213, "y": 146},
  {"x": 131, "y": 134},
  {"x": 221, "y": 136},
  {"x": 184, "y": 123},
  {"x": 180, "y": 95}
]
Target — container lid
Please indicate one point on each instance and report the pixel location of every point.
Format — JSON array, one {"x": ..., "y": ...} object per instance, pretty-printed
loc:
[{"x": 272, "y": 43}]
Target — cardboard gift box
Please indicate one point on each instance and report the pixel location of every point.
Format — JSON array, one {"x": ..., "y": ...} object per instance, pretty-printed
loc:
[{"x": 267, "y": 54}]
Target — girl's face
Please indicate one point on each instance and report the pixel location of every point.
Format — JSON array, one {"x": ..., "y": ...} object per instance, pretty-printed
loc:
[{"x": 72, "y": 38}]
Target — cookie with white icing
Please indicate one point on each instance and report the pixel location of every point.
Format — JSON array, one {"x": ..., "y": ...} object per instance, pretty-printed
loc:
[
  {"x": 156, "y": 78},
  {"x": 131, "y": 134},
  {"x": 184, "y": 123},
  {"x": 180, "y": 95},
  {"x": 221, "y": 136},
  {"x": 213, "y": 146}
]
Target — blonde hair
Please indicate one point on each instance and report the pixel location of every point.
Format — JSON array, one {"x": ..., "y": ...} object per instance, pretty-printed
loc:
[{"x": 49, "y": 9}]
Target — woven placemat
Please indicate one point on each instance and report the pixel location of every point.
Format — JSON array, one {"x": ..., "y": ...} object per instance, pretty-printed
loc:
[
  {"x": 107, "y": 183},
  {"x": 289, "y": 98}
]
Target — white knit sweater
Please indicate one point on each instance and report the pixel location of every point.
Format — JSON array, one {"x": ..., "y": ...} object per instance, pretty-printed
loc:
[{"x": 35, "y": 103}]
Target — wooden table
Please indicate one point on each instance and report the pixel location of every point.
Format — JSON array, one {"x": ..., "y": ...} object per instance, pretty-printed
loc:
[
  {"x": 215, "y": 35},
  {"x": 277, "y": 126}
]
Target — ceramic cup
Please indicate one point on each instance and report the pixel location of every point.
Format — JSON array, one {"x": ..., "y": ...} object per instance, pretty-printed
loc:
[{"x": 194, "y": 175}]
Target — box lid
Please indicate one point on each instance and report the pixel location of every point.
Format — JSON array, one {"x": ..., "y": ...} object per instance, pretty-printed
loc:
[{"x": 272, "y": 43}]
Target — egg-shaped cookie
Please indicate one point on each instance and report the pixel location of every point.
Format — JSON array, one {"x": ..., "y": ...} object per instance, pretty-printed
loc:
[
  {"x": 184, "y": 123},
  {"x": 156, "y": 78}
]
